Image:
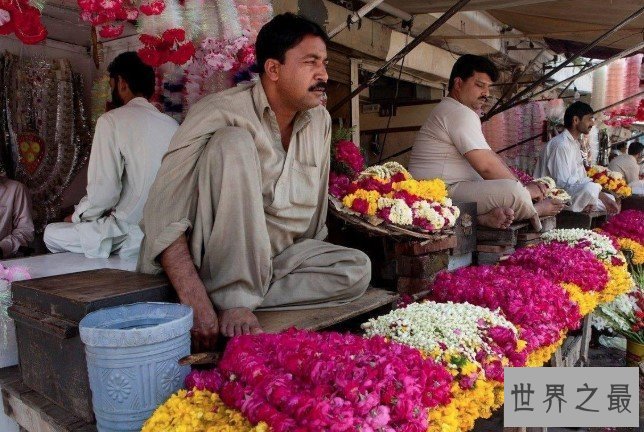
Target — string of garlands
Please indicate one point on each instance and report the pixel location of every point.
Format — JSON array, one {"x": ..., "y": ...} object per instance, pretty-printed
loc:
[{"x": 22, "y": 18}]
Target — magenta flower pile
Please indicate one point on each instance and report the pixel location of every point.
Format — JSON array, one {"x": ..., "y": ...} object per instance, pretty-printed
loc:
[
  {"x": 562, "y": 264},
  {"x": 540, "y": 309},
  {"x": 305, "y": 381}
]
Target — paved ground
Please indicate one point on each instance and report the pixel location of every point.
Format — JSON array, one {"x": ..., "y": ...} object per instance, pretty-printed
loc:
[{"x": 599, "y": 356}]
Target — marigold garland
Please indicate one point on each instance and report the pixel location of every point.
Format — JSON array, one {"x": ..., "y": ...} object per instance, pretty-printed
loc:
[
  {"x": 388, "y": 192},
  {"x": 636, "y": 248},
  {"x": 610, "y": 181},
  {"x": 619, "y": 282},
  {"x": 540, "y": 356},
  {"x": 467, "y": 406},
  {"x": 586, "y": 300},
  {"x": 198, "y": 411}
]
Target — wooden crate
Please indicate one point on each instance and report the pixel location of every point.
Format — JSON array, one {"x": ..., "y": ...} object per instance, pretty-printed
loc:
[
  {"x": 46, "y": 312},
  {"x": 590, "y": 220}
]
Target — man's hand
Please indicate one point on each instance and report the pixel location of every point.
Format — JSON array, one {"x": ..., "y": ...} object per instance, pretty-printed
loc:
[
  {"x": 178, "y": 265},
  {"x": 537, "y": 190},
  {"x": 68, "y": 218},
  {"x": 205, "y": 328},
  {"x": 611, "y": 206}
]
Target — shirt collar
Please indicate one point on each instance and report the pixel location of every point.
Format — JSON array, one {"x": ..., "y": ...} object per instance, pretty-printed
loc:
[
  {"x": 302, "y": 118},
  {"x": 138, "y": 101},
  {"x": 569, "y": 136}
]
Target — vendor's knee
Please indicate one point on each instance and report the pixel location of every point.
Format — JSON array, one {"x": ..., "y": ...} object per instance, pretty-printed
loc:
[{"x": 362, "y": 273}]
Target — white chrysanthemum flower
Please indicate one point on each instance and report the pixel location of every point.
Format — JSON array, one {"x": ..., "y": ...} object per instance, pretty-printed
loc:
[
  {"x": 600, "y": 245},
  {"x": 400, "y": 213},
  {"x": 443, "y": 328}
]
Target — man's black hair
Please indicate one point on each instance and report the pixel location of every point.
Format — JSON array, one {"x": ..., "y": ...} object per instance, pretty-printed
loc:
[
  {"x": 467, "y": 64},
  {"x": 281, "y": 34},
  {"x": 577, "y": 109},
  {"x": 138, "y": 76},
  {"x": 620, "y": 146},
  {"x": 635, "y": 148}
]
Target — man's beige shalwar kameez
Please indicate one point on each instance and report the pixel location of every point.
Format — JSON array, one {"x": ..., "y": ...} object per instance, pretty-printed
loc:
[{"x": 255, "y": 213}]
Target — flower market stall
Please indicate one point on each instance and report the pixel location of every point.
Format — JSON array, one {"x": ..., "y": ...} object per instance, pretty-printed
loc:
[{"x": 432, "y": 365}]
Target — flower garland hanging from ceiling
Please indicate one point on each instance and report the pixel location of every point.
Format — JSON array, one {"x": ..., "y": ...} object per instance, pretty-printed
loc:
[{"x": 22, "y": 18}]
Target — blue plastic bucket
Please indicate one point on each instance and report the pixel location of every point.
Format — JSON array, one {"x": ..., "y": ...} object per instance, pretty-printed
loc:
[{"x": 132, "y": 354}]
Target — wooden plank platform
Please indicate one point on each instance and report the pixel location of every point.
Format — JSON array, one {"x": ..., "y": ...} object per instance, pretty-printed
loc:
[
  {"x": 32, "y": 411},
  {"x": 633, "y": 202},
  {"x": 320, "y": 318},
  {"x": 568, "y": 219}
]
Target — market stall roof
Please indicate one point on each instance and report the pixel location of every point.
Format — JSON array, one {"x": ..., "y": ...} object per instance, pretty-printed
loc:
[{"x": 572, "y": 20}]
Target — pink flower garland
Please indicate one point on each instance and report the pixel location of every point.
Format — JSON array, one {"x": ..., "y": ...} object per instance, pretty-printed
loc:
[
  {"x": 627, "y": 224},
  {"x": 562, "y": 263},
  {"x": 540, "y": 308},
  {"x": 523, "y": 176},
  {"x": 306, "y": 381},
  {"x": 503, "y": 342}
]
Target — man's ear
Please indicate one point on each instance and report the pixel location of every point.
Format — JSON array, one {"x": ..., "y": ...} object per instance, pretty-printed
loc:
[
  {"x": 123, "y": 86},
  {"x": 458, "y": 83},
  {"x": 271, "y": 69}
]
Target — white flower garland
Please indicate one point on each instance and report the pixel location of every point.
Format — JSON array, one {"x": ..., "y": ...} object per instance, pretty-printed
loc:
[
  {"x": 431, "y": 326},
  {"x": 385, "y": 171},
  {"x": 600, "y": 245},
  {"x": 400, "y": 212}
]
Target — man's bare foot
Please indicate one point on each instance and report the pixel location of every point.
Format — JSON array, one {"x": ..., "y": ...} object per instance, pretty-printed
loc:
[
  {"x": 500, "y": 218},
  {"x": 548, "y": 207},
  {"x": 238, "y": 321}
]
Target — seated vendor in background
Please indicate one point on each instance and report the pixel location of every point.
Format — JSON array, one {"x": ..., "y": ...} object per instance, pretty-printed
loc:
[
  {"x": 129, "y": 142},
  {"x": 562, "y": 160},
  {"x": 629, "y": 166},
  {"x": 617, "y": 150},
  {"x": 628, "y": 163},
  {"x": 451, "y": 146},
  {"x": 16, "y": 225},
  {"x": 237, "y": 214}
]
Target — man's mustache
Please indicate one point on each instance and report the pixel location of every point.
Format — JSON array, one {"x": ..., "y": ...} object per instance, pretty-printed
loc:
[{"x": 320, "y": 86}]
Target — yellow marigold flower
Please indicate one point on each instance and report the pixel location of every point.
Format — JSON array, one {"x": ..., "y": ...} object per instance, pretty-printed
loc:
[
  {"x": 198, "y": 411},
  {"x": 370, "y": 196},
  {"x": 431, "y": 190},
  {"x": 587, "y": 301},
  {"x": 538, "y": 357},
  {"x": 619, "y": 282},
  {"x": 466, "y": 406},
  {"x": 633, "y": 246}
]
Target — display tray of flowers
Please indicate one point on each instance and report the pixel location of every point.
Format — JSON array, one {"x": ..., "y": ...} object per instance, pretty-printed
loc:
[
  {"x": 610, "y": 181},
  {"x": 387, "y": 197}
]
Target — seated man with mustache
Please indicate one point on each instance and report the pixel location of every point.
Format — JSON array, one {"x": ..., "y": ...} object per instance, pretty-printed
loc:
[
  {"x": 236, "y": 216},
  {"x": 451, "y": 146}
]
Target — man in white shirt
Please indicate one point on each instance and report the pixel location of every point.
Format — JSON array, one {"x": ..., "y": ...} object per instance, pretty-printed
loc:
[
  {"x": 562, "y": 160},
  {"x": 451, "y": 146},
  {"x": 129, "y": 142},
  {"x": 628, "y": 165}
]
